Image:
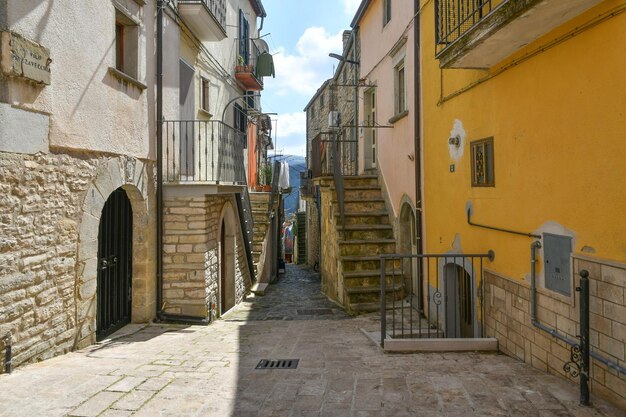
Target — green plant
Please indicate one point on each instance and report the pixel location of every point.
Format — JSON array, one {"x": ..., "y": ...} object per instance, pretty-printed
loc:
[
  {"x": 239, "y": 60},
  {"x": 266, "y": 174}
]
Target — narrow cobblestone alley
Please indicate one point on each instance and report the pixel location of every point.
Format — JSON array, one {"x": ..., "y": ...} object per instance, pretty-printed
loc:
[{"x": 210, "y": 371}]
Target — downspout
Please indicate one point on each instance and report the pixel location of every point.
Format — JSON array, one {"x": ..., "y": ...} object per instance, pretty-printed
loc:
[
  {"x": 357, "y": 70},
  {"x": 418, "y": 149},
  {"x": 159, "y": 188}
]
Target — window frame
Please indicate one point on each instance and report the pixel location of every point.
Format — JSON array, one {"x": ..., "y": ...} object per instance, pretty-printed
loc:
[
  {"x": 205, "y": 86},
  {"x": 386, "y": 12},
  {"x": 488, "y": 163},
  {"x": 400, "y": 88}
]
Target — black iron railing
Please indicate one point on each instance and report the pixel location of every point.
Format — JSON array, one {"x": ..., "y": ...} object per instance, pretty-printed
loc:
[
  {"x": 307, "y": 189},
  {"x": 244, "y": 208},
  {"x": 203, "y": 151},
  {"x": 216, "y": 7},
  {"x": 442, "y": 298},
  {"x": 453, "y": 18}
]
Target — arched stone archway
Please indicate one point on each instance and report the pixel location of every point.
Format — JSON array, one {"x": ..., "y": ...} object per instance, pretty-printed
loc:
[
  {"x": 407, "y": 244},
  {"x": 131, "y": 175},
  {"x": 227, "y": 258}
]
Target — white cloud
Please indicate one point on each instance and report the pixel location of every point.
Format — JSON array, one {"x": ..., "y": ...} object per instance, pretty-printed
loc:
[
  {"x": 350, "y": 6},
  {"x": 289, "y": 133},
  {"x": 304, "y": 71},
  {"x": 290, "y": 124}
]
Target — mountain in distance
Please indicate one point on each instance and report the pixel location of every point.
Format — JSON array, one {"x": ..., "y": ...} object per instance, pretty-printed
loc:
[{"x": 297, "y": 164}]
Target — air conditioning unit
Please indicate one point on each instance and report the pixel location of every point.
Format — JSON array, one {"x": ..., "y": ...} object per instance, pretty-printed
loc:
[{"x": 334, "y": 119}]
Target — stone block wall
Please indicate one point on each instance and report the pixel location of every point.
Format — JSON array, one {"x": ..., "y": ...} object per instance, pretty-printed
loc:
[
  {"x": 507, "y": 311},
  {"x": 312, "y": 234},
  {"x": 50, "y": 205},
  {"x": 191, "y": 256},
  {"x": 332, "y": 285}
]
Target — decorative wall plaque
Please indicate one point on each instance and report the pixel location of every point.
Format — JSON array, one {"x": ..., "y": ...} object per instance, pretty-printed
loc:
[{"x": 24, "y": 58}]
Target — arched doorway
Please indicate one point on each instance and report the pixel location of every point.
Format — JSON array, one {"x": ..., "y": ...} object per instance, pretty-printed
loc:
[
  {"x": 408, "y": 246},
  {"x": 459, "y": 301},
  {"x": 228, "y": 227},
  {"x": 115, "y": 255}
]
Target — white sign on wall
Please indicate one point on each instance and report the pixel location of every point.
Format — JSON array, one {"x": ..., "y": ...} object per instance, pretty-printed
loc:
[{"x": 24, "y": 58}]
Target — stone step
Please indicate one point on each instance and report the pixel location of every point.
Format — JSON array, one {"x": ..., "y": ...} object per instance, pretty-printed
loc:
[
  {"x": 360, "y": 308},
  {"x": 369, "y": 278},
  {"x": 259, "y": 197},
  {"x": 365, "y": 231},
  {"x": 358, "y": 297},
  {"x": 367, "y": 247},
  {"x": 374, "y": 217},
  {"x": 366, "y": 289},
  {"x": 362, "y": 192},
  {"x": 364, "y": 262},
  {"x": 352, "y": 181},
  {"x": 361, "y": 206}
]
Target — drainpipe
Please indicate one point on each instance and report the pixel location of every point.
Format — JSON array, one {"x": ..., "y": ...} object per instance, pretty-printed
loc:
[
  {"x": 357, "y": 70},
  {"x": 159, "y": 187},
  {"x": 159, "y": 149},
  {"x": 418, "y": 150}
]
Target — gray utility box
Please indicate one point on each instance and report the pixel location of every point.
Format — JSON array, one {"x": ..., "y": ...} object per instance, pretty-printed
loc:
[{"x": 556, "y": 263}]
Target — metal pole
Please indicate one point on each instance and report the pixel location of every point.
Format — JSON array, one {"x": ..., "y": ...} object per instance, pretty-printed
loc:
[
  {"x": 383, "y": 303},
  {"x": 584, "y": 337},
  {"x": 159, "y": 151},
  {"x": 8, "y": 354}
]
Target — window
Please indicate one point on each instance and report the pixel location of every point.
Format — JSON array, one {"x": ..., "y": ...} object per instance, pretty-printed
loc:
[
  {"x": 244, "y": 38},
  {"x": 386, "y": 12},
  {"x": 400, "y": 88},
  {"x": 483, "y": 174},
  {"x": 204, "y": 95},
  {"x": 241, "y": 123},
  {"x": 126, "y": 43}
]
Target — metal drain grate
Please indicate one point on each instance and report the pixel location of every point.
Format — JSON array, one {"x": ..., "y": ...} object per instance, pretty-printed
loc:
[{"x": 278, "y": 364}]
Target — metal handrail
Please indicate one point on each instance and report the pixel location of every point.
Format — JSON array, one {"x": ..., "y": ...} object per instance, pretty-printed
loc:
[
  {"x": 203, "y": 151},
  {"x": 428, "y": 323},
  {"x": 247, "y": 226}
]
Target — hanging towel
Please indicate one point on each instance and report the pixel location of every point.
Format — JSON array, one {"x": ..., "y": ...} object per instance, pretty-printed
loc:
[
  {"x": 265, "y": 65},
  {"x": 283, "y": 178}
]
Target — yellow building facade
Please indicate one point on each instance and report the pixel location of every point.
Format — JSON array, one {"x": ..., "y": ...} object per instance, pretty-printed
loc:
[{"x": 532, "y": 139}]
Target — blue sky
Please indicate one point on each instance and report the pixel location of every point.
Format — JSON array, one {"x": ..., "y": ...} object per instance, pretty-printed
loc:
[{"x": 302, "y": 33}]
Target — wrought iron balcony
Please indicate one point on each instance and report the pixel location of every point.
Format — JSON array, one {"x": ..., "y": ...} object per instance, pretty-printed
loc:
[
  {"x": 481, "y": 33},
  {"x": 207, "y": 18},
  {"x": 198, "y": 151}
]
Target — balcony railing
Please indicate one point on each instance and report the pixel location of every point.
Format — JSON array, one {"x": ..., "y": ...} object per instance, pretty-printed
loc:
[
  {"x": 203, "y": 151},
  {"x": 482, "y": 33},
  {"x": 455, "y": 17}
]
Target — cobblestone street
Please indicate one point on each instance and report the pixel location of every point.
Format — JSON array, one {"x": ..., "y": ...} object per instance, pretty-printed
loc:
[{"x": 210, "y": 371}]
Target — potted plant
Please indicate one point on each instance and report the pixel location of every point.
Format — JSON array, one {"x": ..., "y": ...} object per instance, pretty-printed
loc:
[
  {"x": 266, "y": 174},
  {"x": 239, "y": 67}
]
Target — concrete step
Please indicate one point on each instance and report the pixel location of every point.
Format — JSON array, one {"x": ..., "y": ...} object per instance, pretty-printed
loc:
[
  {"x": 374, "y": 217},
  {"x": 367, "y": 247}
]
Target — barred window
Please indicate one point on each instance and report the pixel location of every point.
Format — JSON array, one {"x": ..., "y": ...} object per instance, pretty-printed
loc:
[{"x": 483, "y": 174}]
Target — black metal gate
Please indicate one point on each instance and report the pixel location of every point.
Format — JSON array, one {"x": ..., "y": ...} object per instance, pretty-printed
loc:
[{"x": 115, "y": 247}]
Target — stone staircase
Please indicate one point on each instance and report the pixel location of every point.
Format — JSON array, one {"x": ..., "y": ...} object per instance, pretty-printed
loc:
[
  {"x": 365, "y": 235},
  {"x": 260, "y": 208}
]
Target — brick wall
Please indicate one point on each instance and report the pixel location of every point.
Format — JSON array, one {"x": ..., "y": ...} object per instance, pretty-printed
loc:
[{"x": 507, "y": 310}]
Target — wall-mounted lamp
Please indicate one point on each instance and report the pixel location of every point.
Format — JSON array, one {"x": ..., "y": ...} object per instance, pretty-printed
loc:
[
  {"x": 341, "y": 58},
  {"x": 455, "y": 140}
]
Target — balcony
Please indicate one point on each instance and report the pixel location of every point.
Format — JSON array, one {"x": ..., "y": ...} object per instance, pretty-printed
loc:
[
  {"x": 481, "y": 33},
  {"x": 203, "y": 153},
  {"x": 246, "y": 75},
  {"x": 207, "y": 18}
]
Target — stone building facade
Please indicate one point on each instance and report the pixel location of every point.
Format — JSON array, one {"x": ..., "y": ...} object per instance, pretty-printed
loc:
[{"x": 78, "y": 166}]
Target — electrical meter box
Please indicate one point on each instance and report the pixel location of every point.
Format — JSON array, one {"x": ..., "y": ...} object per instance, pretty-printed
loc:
[{"x": 556, "y": 263}]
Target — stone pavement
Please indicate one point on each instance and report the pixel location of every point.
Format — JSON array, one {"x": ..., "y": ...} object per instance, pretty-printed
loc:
[{"x": 210, "y": 371}]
